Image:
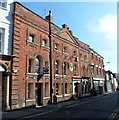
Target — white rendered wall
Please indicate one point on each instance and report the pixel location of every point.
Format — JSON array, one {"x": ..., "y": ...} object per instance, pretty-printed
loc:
[{"x": 6, "y": 22}]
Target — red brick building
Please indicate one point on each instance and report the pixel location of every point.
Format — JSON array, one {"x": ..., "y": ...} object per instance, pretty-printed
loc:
[{"x": 71, "y": 61}]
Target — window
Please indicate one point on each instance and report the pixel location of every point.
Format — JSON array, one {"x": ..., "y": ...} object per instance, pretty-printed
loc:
[
  {"x": 64, "y": 69},
  {"x": 99, "y": 60},
  {"x": 74, "y": 53},
  {"x": 57, "y": 67},
  {"x": 31, "y": 38},
  {"x": 71, "y": 87},
  {"x": 46, "y": 63},
  {"x": 100, "y": 72},
  {"x": 96, "y": 58},
  {"x": 30, "y": 69},
  {"x": 46, "y": 90},
  {"x": 3, "y": 4},
  {"x": 92, "y": 69},
  {"x": 37, "y": 65},
  {"x": 0, "y": 42},
  {"x": 44, "y": 43},
  {"x": 30, "y": 90},
  {"x": 64, "y": 49},
  {"x": 57, "y": 89},
  {"x": 92, "y": 55},
  {"x": 85, "y": 57},
  {"x": 97, "y": 70},
  {"x": 63, "y": 88},
  {"x": 56, "y": 46},
  {"x": 66, "y": 88},
  {"x": 75, "y": 70},
  {"x": 2, "y": 33}
]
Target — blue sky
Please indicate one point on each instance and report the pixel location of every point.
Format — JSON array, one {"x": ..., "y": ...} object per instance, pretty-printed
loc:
[{"x": 94, "y": 23}]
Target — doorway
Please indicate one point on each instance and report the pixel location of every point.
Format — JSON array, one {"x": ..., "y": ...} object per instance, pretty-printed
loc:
[
  {"x": 3, "y": 91},
  {"x": 39, "y": 94}
]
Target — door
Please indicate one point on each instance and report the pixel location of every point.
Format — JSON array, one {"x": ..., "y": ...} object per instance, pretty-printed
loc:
[
  {"x": 39, "y": 94},
  {"x": 2, "y": 91}
]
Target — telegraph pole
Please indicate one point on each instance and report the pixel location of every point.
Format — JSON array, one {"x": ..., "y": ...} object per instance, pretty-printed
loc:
[{"x": 50, "y": 57}]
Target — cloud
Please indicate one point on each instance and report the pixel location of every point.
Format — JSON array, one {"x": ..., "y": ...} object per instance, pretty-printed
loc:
[{"x": 106, "y": 25}]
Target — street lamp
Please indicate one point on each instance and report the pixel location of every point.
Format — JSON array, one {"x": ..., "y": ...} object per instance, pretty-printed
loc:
[{"x": 50, "y": 57}]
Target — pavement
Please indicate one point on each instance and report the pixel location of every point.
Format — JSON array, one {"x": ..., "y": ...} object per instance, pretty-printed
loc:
[{"x": 24, "y": 112}]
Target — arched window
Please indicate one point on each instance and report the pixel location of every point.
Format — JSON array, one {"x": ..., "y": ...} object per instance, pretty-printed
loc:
[
  {"x": 57, "y": 67},
  {"x": 64, "y": 68},
  {"x": 37, "y": 65}
]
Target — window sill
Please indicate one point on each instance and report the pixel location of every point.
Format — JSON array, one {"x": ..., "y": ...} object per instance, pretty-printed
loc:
[
  {"x": 65, "y": 76},
  {"x": 57, "y": 50},
  {"x": 59, "y": 95},
  {"x": 45, "y": 47},
  {"x": 30, "y": 100},
  {"x": 46, "y": 98},
  {"x": 56, "y": 75},
  {"x": 31, "y": 74},
  {"x": 3, "y": 8},
  {"x": 65, "y": 53},
  {"x": 67, "y": 95},
  {"x": 32, "y": 44}
]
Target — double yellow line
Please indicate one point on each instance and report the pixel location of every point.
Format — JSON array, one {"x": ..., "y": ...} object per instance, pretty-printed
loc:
[
  {"x": 114, "y": 113},
  {"x": 36, "y": 115},
  {"x": 57, "y": 110}
]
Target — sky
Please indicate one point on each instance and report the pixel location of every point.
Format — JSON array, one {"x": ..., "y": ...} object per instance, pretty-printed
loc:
[{"x": 94, "y": 23}]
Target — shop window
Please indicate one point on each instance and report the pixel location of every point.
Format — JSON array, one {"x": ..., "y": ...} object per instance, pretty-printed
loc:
[
  {"x": 46, "y": 90},
  {"x": 66, "y": 88},
  {"x": 3, "y": 4},
  {"x": 63, "y": 88},
  {"x": 71, "y": 87},
  {"x": 2, "y": 33},
  {"x": 30, "y": 90},
  {"x": 30, "y": 69},
  {"x": 57, "y": 89},
  {"x": 31, "y": 38},
  {"x": 44, "y": 43}
]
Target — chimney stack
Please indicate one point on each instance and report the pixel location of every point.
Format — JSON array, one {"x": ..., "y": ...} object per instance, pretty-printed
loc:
[{"x": 64, "y": 26}]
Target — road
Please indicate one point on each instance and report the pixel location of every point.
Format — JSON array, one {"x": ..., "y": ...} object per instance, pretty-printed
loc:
[{"x": 103, "y": 107}]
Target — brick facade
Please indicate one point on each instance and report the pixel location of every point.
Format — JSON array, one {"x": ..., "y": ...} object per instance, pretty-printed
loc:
[{"x": 71, "y": 61}]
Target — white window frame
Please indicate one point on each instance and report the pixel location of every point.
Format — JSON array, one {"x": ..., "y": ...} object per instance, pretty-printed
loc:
[
  {"x": 2, "y": 40},
  {"x": 3, "y": 4},
  {"x": 31, "y": 38},
  {"x": 44, "y": 43}
]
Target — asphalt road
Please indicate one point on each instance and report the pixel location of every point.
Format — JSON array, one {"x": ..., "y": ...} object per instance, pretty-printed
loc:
[{"x": 104, "y": 107}]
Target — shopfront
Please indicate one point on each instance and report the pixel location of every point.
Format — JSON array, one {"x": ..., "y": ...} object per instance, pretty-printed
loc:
[{"x": 98, "y": 85}]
